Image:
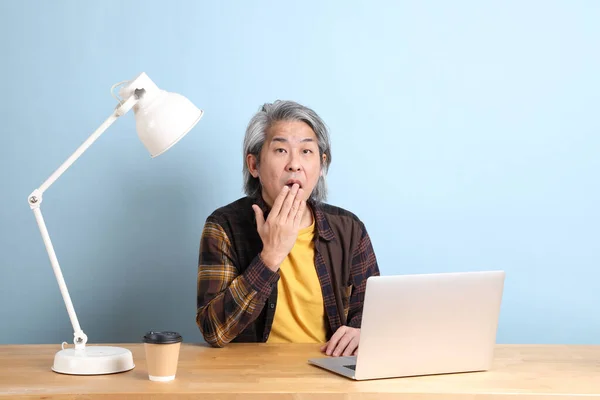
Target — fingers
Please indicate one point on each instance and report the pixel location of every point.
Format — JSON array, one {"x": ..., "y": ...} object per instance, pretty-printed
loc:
[
  {"x": 295, "y": 206},
  {"x": 299, "y": 213},
  {"x": 279, "y": 201},
  {"x": 288, "y": 202},
  {"x": 332, "y": 344},
  {"x": 352, "y": 347},
  {"x": 342, "y": 345},
  {"x": 344, "y": 342},
  {"x": 260, "y": 219}
]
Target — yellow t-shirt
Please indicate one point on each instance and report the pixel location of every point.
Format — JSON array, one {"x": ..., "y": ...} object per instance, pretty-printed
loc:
[{"x": 300, "y": 313}]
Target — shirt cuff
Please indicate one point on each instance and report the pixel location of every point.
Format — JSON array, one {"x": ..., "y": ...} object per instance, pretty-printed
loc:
[
  {"x": 260, "y": 277},
  {"x": 356, "y": 320}
]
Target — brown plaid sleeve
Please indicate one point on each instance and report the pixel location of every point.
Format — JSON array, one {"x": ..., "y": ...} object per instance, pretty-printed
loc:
[
  {"x": 228, "y": 301},
  {"x": 364, "y": 265}
]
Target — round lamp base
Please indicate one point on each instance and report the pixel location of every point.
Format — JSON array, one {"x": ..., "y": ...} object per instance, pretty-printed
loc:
[{"x": 93, "y": 360}]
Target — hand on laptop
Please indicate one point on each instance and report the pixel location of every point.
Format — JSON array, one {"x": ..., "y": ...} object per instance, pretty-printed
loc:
[{"x": 344, "y": 342}]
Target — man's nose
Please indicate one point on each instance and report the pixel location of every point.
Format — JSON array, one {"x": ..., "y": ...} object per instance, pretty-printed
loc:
[{"x": 294, "y": 165}]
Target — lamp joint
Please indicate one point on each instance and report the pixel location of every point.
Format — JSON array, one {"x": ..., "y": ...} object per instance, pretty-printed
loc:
[
  {"x": 35, "y": 199},
  {"x": 80, "y": 339}
]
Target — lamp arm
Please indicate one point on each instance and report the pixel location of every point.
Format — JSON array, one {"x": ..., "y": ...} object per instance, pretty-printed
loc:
[
  {"x": 119, "y": 111},
  {"x": 35, "y": 200}
]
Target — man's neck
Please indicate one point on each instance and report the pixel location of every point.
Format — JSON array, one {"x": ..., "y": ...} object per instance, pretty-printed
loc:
[{"x": 307, "y": 218}]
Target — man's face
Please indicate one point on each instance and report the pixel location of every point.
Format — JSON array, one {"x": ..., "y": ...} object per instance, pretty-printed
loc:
[{"x": 289, "y": 155}]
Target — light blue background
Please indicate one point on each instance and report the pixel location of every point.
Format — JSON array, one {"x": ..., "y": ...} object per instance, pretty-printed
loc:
[{"x": 465, "y": 135}]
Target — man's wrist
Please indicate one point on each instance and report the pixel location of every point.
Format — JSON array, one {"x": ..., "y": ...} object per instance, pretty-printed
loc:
[{"x": 271, "y": 261}]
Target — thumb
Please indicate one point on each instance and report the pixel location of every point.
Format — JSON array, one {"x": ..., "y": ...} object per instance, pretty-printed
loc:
[{"x": 260, "y": 219}]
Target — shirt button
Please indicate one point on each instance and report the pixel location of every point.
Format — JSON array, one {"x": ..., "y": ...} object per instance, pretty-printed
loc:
[{"x": 272, "y": 305}]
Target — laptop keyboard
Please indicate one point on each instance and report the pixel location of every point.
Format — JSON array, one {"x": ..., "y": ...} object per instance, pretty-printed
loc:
[{"x": 352, "y": 367}]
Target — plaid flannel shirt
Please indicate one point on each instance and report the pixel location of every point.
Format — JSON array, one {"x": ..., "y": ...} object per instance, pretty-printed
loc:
[{"x": 237, "y": 292}]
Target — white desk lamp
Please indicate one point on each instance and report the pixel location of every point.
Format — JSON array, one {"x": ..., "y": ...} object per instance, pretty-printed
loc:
[{"x": 162, "y": 119}]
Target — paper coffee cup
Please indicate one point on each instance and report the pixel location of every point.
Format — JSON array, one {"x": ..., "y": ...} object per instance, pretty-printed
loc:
[{"x": 162, "y": 355}]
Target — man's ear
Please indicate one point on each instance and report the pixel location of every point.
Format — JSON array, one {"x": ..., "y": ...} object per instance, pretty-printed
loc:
[
  {"x": 251, "y": 163},
  {"x": 323, "y": 163}
]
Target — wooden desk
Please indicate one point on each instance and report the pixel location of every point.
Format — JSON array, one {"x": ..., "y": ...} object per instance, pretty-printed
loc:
[{"x": 261, "y": 371}]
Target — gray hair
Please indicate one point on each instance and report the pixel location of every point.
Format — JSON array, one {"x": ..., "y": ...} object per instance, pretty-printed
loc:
[{"x": 256, "y": 134}]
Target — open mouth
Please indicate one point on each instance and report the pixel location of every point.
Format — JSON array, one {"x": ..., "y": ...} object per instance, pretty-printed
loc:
[{"x": 291, "y": 182}]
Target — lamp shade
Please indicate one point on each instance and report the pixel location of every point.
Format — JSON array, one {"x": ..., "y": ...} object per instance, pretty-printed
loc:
[{"x": 162, "y": 118}]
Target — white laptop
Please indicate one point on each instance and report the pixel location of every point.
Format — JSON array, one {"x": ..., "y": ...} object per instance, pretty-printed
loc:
[{"x": 423, "y": 325}]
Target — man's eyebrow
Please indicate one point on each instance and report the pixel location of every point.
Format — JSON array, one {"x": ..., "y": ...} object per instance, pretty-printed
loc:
[{"x": 284, "y": 140}]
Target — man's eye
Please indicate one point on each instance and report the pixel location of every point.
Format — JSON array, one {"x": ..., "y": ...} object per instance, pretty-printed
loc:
[
  {"x": 307, "y": 151},
  {"x": 280, "y": 150}
]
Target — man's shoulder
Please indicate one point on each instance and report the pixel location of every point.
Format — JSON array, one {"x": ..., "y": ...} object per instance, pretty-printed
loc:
[
  {"x": 238, "y": 211},
  {"x": 336, "y": 211},
  {"x": 338, "y": 216}
]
